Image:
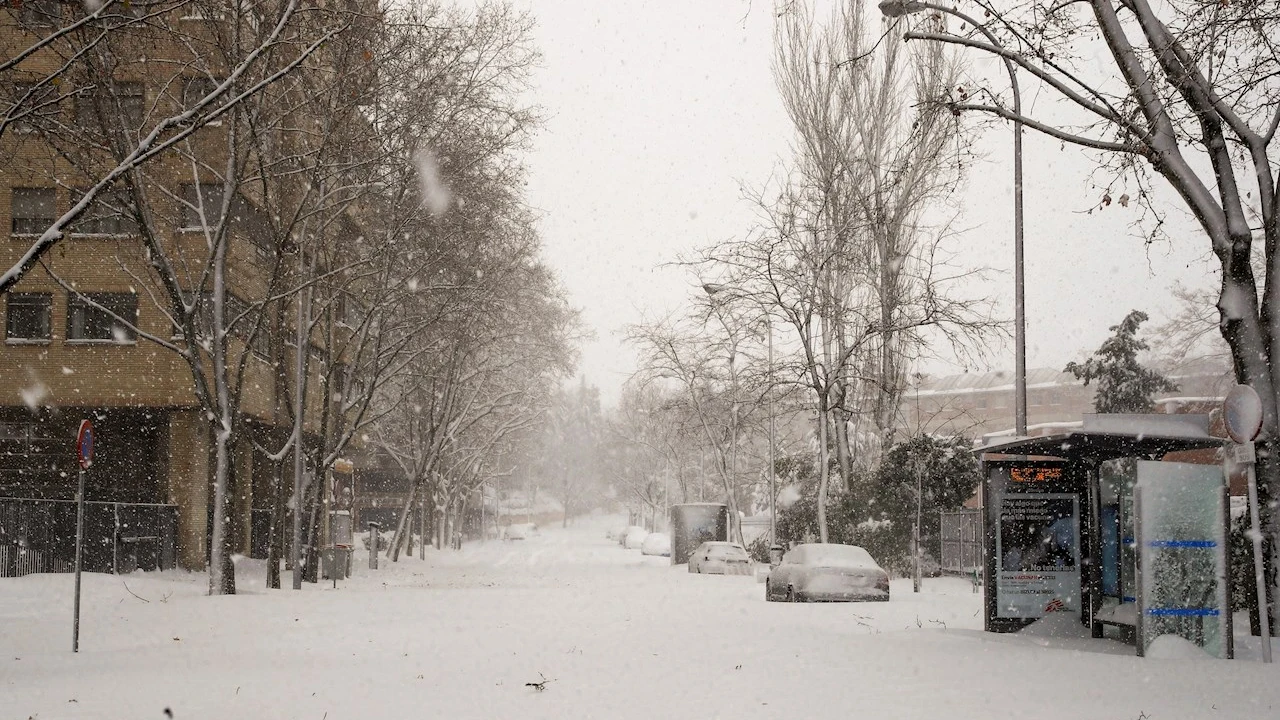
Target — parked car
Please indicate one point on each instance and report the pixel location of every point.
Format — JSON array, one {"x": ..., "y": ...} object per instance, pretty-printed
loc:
[
  {"x": 929, "y": 567},
  {"x": 634, "y": 537},
  {"x": 827, "y": 571},
  {"x": 656, "y": 544},
  {"x": 520, "y": 531},
  {"x": 720, "y": 558}
]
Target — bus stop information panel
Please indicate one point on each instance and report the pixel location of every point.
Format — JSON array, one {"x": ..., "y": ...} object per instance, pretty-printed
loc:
[{"x": 1035, "y": 532}]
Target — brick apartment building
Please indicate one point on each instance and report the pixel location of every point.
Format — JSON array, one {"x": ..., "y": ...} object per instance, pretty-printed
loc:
[
  {"x": 979, "y": 405},
  {"x": 63, "y": 360}
]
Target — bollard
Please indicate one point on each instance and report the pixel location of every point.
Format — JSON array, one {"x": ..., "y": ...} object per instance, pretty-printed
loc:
[{"x": 373, "y": 545}]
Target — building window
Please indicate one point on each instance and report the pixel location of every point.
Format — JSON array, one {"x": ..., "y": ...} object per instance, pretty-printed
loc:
[
  {"x": 108, "y": 214},
  {"x": 27, "y": 317},
  {"x": 123, "y": 99},
  {"x": 125, "y": 8},
  {"x": 245, "y": 318},
  {"x": 195, "y": 89},
  {"x": 203, "y": 10},
  {"x": 33, "y": 105},
  {"x": 85, "y": 322},
  {"x": 132, "y": 102},
  {"x": 38, "y": 13},
  {"x": 33, "y": 210},
  {"x": 203, "y": 209}
]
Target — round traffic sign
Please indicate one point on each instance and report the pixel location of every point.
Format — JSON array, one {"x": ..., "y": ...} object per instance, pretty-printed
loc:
[
  {"x": 84, "y": 444},
  {"x": 1242, "y": 414}
]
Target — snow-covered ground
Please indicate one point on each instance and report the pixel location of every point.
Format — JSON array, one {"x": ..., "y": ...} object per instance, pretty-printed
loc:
[{"x": 613, "y": 633}]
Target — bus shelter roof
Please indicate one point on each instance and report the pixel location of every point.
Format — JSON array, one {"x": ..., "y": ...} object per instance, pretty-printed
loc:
[{"x": 1098, "y": 446}]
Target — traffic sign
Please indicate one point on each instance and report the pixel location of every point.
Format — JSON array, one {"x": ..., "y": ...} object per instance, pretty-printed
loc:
[
  {"x": 84, "y": 444},
  {"x": 1242, "y": 414}
]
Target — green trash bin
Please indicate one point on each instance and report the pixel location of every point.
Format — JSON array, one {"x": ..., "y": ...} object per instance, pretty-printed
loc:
[{"x": 335, "y": 563}]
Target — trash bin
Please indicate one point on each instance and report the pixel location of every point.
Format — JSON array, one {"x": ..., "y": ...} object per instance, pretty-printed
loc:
[
  {"x": 775, "y": 555},
  {"x": 335, "y": 562}
]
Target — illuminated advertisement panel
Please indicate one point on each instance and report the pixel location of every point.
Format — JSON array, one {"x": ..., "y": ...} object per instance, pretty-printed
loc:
[{"x": 1038, "y": 555}]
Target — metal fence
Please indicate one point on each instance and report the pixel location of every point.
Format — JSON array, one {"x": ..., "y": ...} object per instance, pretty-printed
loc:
[
  {"x": 962, "y": 542},
  {"x": 39, "y": 536}
]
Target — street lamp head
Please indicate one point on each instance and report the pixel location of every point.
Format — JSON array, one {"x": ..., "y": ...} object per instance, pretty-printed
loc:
[{"x": 898, "y": 8}]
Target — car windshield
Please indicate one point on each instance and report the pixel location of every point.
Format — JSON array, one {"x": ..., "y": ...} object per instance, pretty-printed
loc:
[
  {"x": 724, "y": 552},
  {"x": 543, "y": 358}
]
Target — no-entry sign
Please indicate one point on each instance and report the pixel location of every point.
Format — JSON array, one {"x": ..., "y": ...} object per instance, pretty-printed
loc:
[
  {"x": 84, "y": 444},
  {"x": 1242, "y": 414}
]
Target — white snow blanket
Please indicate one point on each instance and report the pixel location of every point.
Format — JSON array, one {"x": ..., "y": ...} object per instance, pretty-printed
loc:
[{"x": 614, "y": 635}]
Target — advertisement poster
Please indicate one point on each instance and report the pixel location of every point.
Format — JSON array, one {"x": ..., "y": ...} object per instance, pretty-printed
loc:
[{"x": 1038, "y": 555}]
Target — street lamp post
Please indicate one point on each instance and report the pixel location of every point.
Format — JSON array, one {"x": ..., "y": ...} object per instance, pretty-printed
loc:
[
  {"x": 899, "y": 8},
  {"x": 711, "y": 289}
]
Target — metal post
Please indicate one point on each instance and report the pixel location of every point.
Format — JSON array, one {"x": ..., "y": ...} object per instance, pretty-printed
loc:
[
  {"x": 915, "y": 553},
  {"x": 1258, "y": 575},
  {"x": 915, "y": 527},
  {"x": 773, "y": 474},
  {"x": 373, "y": 545},
  {"x": 1019, "y": 298},
  {"x": 115, "y": 539},
  {"x": 899, "y": 8},
  {"x": 75, "y": 623}
]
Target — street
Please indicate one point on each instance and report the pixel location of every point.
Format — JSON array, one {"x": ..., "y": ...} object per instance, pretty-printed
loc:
[{"x": 605, "y": 632}]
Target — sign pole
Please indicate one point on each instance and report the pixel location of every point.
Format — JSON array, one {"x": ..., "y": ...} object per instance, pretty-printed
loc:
[
  {"x": 84, "y": 455},
  {"x": 1242, "y": 415},
  {"x": 1259, "y": 579},
  {"x": 75, "y": 625}
]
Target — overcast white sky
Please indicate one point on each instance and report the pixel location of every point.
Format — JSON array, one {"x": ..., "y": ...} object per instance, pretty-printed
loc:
[{"x": 660, "y": 110}]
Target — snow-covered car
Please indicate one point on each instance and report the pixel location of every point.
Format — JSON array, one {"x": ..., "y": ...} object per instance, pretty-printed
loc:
[
  {"x": 827, "y": 571},
  {"x": 634, "y": 537},
  {"x": 929, "y": 567},
  {"x": 521, "y": 531},
  {"x": 656, "y": 544},
  {"x": 720, "y": 558}
]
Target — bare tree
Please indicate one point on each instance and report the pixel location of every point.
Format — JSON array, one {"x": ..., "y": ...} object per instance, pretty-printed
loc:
[
  {"x": 1188, "y": 91},
  {"x": 698, "y": 356},
  {"x": 74, "y": 47}
]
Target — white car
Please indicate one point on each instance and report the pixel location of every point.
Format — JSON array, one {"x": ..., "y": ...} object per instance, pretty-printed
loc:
[
  {"x": 520, "y": 531},
  {"x": 634, "y": 537},
  {"x": 720, "y": 558},
  {"x": 657, "y": 544},
  {"x": 827, "y": 571}
]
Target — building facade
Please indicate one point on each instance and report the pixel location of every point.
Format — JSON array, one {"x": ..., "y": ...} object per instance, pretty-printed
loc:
[
  {"x": 92, "y": 332},
  {"x": 981, "y": 405}
]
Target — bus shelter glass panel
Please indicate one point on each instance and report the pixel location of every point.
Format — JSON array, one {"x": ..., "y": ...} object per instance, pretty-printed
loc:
[
  {"x": 1182, "y": 556},
  {"x": 1116, "y": 524}
]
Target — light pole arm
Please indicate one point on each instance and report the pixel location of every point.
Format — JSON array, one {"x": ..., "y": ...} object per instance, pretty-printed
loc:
[{"x": 1019, "y": 302}]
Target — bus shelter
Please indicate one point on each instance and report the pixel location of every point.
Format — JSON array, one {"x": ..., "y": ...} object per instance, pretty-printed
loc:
[{"x": 1094, "y": 522}]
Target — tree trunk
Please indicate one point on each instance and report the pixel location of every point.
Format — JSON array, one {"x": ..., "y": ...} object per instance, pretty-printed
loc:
[
  {"x": 398, "y": 539},
  {"x": 823, "y": 475},
  {"x": 222, "y": 576},
  {"x": 565, "y": 522},
  {"x": 275, "y": 532},
  {"x": 423, "y": 541},
  {"x": 844, "y": 453},
  {"x": 312, "y": 569}
]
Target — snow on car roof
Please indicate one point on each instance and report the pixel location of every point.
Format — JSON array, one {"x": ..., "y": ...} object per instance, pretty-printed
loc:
[{"x": 835, "y": 554}]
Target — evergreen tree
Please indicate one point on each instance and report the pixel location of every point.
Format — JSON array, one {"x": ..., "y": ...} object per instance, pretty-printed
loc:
[{"x": 1124, "y": 385}]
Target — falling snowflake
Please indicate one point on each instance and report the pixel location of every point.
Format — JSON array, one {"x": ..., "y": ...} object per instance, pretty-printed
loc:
[{"x": 435, "y": 195}]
